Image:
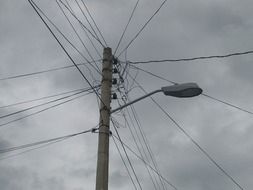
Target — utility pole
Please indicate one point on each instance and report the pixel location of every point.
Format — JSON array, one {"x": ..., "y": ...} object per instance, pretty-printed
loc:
[{"x": 104, "y": 122}]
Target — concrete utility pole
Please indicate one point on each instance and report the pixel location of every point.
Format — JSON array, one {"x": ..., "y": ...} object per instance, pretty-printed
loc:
[{"x": 104, "y": 122}]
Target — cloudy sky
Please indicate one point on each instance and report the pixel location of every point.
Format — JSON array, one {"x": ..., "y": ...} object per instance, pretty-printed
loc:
[{"x": 181, "y": 29}]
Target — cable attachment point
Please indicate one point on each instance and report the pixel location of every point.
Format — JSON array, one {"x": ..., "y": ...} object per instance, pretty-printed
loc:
[
  {"x": 93, "y": 130},
  {"x": 114, "y": 96},
  {"x": 115, "y": 70},
  {"x": 114, "y": 81},
  {"x": 115, "y": 61}
]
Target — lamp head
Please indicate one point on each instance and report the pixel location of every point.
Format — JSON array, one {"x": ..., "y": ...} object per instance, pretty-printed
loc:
[{"x": 185, "y": 90}]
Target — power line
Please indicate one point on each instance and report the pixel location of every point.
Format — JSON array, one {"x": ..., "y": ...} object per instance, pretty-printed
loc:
[
  {"x": 142, "y": 28},
  {"x": 86, "y": 33},
  {"x": 194, "y": 58},
  {"x": 15, "y": 148},
  {"x": 46, "y": 97},
  {"x": 39, "y": 147},
  {"x": 129, "y": 20},
  {"x": 87, "y": 9},
  {"x": 121, "y": 156},
  {"x": 139, "y": 157},
  {"x": 40, "y": 111},
  {"x": 36, "y": 8},
  {"x": 42, "y": 104},
  {"x": 83, "y": 25},
  {"x": 118, "y": 137},
  {"x": 203, "y": 94},
  {"x": 42, "y": 71},
  {"x": 78, "y": 36},
  {"x": 193, "y": 141}
]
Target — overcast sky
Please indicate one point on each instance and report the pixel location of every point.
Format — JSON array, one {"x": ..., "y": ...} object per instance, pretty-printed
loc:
[{"x": 181, "y": 29}]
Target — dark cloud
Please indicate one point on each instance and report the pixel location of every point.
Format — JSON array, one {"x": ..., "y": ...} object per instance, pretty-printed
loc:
[{"x": 180, "y": 30}]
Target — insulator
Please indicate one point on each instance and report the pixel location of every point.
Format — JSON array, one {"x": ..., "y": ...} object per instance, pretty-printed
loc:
[
  {"x": 114, "y": 96},
  {"x": 114, "y": 81},
  {"x": 115, "y": 70},
  {"x": 115, "y": 61}
]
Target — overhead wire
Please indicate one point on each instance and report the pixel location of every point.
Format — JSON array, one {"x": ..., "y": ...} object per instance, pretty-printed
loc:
[
  {"x": 194, "y": 58},
  {"x": 37, "y": 10},
  {"x": 121, "y": 156},
  {"x": 86, "y": 18},
  {"x": 78, "y": 36},
  {"x": 203, "y": 94},
  {"x": 86, "y": 33},
  {"x": 83, "y": 25},
  {"x": 87, "y": 9},
  {"x": 210, "y": 158},
  {"x": 46, "y": 97},
  {"x": 129, "y": 161},
  {"x": 125, "y": 29},
  {"x": 42, "y": 104},
  {"x": 154, "y": 181},
  {"x": 43, "y": 145},
  {"x": 15, "y": 148},
  {"x": 143, "y": 27},
  {"x": 40, "y": 111},
  {"x": 139, "y": 157},
  {"x": 43, "y": 71}
]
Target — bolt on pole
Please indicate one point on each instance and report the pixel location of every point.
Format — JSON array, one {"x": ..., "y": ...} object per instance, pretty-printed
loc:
[{"x": 104, "y": 122}]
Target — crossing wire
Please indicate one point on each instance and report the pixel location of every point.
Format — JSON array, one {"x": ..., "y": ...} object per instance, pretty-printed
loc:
[
  {"x": 192, "y": 140},
  {"x": 129, "y": 161},
  {"x": 40, "y": 111},
  {"x": 139, "y": 157},
  {"x": 121, "y": 156},
  {"x": 87, "y": 9},
  {"x": 32, "y": 149},
  {"x": 125, "y": 29},
  {"x": 143, "y": 27},
  {"x": 86, "y": 33},
  {"x": 194, "y": 58},
  {"x": 78, "y": 36},
  {"x": 203, "y": 94},
  {"x": 83, "y": 24},
  {"x": 42, "y": 104},
  {"x": 25, "y": 146},
  {"x": 46, "y": 97},
  {"x": 37, "y": 10},
  {"x": 44, "y": 71}
]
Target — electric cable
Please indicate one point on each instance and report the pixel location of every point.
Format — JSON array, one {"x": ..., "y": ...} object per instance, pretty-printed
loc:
[
  {"x": 40, "y": 111},
  {"x": 194, "y": 58},
  {"x": 121, "y": 156},
  {"x": 35, "y": 7},
  {"x": 86, "y": 33},
  {"x": 134, "y": 153},
  {"x": 46, "y": 97},
  {"x": 87, "y": 9},
  {"x": 86, "y": 18},
  {"x": 42, "y": 104},
  {"x": 78, "y": 36},
  {"x": 32, "y": 149},
  {"x": 210, "y": 158},
  {"x": 129, "y": 161},
  {"x": 203, "y": 94},
  {"x": 83, "y": 24},
  {"x": 125, "y": 29},
  {"x": 144, "y": 26},
  {"x": 15, "y": 148},
  {"x": 42, "y": 71}
]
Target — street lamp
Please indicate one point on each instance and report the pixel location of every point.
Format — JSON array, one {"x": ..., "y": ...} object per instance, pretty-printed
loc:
[{"x": 185, "y": 90}]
